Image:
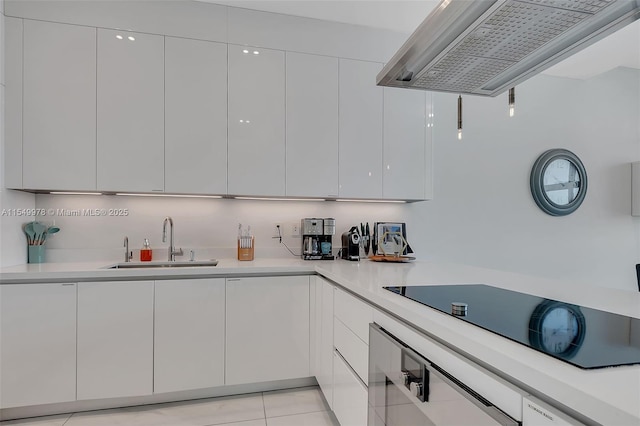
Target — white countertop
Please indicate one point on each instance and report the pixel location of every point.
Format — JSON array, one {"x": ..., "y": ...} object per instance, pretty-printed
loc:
[{"x": 609, "y": 395}]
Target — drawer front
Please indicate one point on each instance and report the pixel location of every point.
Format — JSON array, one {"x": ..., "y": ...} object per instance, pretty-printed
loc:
[
  {"x": 349, "y": 395},
  {"x": 352, "y": 349},
  {"x": 353, "y": 313}
]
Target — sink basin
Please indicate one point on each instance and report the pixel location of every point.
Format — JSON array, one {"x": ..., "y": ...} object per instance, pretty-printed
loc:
[{"x": 151, "y": 265}]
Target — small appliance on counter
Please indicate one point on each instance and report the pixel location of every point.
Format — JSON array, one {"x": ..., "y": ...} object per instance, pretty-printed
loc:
[
  {"x": 317, "y": 238},
  {"x": 390, "y": 238},
  {"x": 351, "y": 244}
]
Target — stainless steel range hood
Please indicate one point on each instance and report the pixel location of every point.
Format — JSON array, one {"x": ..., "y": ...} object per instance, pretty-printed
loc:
[{"x": 484, "y": 47}]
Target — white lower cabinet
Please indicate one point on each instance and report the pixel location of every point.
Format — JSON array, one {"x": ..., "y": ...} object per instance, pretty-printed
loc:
[
  {"x": 115, "y": 339},
  {"x": 189, "y": 334},
  {"x": 268, "y": 332},
  {"x": 324, "y": 345},
  {"x": 38, "y": 350},
  {"x": 353, "y": 350},
  {"x": 349, "y": 394}
]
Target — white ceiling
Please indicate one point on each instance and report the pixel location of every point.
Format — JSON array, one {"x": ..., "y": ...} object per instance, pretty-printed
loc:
[{"x": 619, "y": 49}]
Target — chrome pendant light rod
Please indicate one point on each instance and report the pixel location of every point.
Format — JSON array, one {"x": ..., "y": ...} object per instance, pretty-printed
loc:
[
  {"x": 459, "y": 117},
  {"x": 512, "y": 101}
]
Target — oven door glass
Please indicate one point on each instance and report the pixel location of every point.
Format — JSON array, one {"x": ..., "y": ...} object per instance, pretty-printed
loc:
[{"x": 393, "y": 401}]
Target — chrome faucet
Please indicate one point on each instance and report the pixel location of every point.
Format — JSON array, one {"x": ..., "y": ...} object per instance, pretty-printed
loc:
[
  {"x": 172, "y": 249},
  {"x": 127, "y": 255}
]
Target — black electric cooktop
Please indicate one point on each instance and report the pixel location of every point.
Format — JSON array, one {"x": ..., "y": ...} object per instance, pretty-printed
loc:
[{"x": 583, "y": 337}]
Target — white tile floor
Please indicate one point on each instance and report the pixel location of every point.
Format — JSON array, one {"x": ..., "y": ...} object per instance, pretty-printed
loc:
[{"x": 291, "y": 407}]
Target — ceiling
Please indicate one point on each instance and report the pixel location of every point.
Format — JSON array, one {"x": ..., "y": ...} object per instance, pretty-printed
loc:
[{"x": 619, "y": 49}]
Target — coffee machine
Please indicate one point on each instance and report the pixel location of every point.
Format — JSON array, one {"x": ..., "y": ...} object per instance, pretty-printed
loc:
[
  {"x": 351, "y": 244},
  {"x": 317, "y": 238}
]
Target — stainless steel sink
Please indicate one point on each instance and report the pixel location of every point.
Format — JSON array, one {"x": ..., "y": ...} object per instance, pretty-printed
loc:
[{"x": 151, "y": 265}]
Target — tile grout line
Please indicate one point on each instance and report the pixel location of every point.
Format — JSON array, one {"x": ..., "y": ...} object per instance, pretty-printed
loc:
[{"x": 264, "y": 408}]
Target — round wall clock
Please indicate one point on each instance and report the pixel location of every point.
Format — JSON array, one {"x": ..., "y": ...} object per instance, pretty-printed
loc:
[
  {"x": 557, "y": 328},
  {"x": 558, "y": 182}
]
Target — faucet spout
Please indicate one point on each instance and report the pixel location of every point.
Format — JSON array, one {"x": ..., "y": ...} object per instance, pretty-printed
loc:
[
  {"x": 127, "y": 255},
  {"x": 172, "y": 250}
]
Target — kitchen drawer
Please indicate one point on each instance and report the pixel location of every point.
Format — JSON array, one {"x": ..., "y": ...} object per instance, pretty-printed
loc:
[
  {"x": 349, "y": 395},
  {"x": 353, "y": 313},
  {"x": 352, "y": 349}
]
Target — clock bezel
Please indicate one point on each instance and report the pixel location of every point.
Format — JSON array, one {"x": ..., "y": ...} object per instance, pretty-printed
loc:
[{"x": 538, "y": 190}]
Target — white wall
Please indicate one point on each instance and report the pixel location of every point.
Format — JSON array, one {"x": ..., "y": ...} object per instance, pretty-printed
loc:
[
  {"x": 13, "y": 249},
  {"x": 208, "y": 226},
  {"x": 483, "y": 212}
]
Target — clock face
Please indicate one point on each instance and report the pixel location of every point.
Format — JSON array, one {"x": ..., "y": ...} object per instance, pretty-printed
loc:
[
  {"x": 558, "y": 182},
  {"x": 559, "y": 330},
  {"x": 561, "y": 182}
]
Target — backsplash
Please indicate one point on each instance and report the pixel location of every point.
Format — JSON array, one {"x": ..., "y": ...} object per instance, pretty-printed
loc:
[{"x": 207, "y": 226}]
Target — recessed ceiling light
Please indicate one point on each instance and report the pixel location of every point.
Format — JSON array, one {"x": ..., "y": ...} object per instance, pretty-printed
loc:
[
  {"x": 131, "y": 38},
  {"x": 245, "y": 51},
  {"x": 119, "y": 37},
  {"x": 255, "y": 52}
]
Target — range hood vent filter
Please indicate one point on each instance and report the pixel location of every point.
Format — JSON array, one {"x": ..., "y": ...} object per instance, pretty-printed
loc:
[{"x": 485, "y": 47}]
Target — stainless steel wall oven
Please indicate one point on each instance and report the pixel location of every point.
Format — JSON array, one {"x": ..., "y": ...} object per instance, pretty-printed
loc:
[{"x": 406, "y": 389}]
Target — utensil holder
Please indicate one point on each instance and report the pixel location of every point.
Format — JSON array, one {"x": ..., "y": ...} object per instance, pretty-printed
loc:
[
  {"x": 245, "y": 248},
  {"x": 36, "y": 254}
]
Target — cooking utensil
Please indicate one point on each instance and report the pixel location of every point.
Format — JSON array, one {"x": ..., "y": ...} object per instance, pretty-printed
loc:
[
  {"x": 31, "y": 233},
  {"x": 39, "y": 229}
]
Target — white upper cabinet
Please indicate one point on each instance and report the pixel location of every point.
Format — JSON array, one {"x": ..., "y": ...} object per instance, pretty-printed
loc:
[
  {"x": 38, "y": 351},
  {"x": 195, "y": 116},
  {"x": 130, "y": 111},
  {"x": 256, "y": 126},
  {"x": 59, "y": 139},
  {"x": 312, "y": 125},
  {"x": 13, "y": 69},
  {"x": 404, "y": 156},
  {"x": 361, "y": 111}
]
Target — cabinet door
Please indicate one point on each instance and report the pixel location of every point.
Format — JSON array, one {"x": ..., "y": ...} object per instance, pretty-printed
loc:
[
  {"x": 189, "y": 334},
  {"x": 130, "y": 111},
  {"x": 115, "y": 339},
  {"x": 195, "y": 116},
  {"x": 13, "y": 66},
  {"x": 360, "y": 130},
  {"x": 404, "y": 154},
  {"x": 350, "y": 395},
  {"x": 256, "y": 121},
  {"x": 324, "y": 374},
  {"x": 312, "y": 125},
  {"x": 38, "y": 351},
  {"x": 59, "y": 139},
  {"x": 267, "y": 329}
]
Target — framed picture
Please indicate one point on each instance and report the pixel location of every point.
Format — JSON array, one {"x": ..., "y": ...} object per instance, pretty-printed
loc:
[{"x": 385, "y": 231}]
